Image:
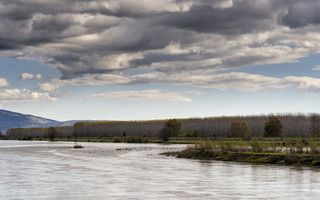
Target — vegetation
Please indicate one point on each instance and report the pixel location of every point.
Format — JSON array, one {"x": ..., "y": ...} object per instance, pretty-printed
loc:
[
  {"x": 174, "y": 125},
  {"x": 250, "y": 157},
  {"x": 272, "y": 151},
  {"x": 293, "y": 125},
  {"x": 77, "y": 146},
  {"x": 193, "y": 133},
  {"x": 117, "y": 139},
  {"x": 273, "y": 128},
  {"x": 171, "y": 128},
  {"x": 52, "y": 133},
  {"x": 315, "y": 125},
  {"x": 239, "y": 129},
  {"x": 165, "y": 133}
]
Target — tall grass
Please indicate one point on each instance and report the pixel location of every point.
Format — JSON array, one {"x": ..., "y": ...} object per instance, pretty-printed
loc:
[{"x": 296, "y": 147}]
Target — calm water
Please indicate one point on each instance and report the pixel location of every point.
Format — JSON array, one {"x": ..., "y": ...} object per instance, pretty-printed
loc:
[{"x": 46, "y": 170}]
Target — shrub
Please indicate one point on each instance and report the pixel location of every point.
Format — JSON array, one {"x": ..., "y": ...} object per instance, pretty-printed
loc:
[
  {"x": 187, "y": 134},
  {"x": 239, "y": 129},
  {"x": 314, "y": 148},
  {"x": 117, "y": 139},
  {"x": 194, "y": 133},
  {"x": 203, "y": 145},
  {"x": 256, "y": 147},
  {"x": 133, "y": 139},
  {"x": 273, "y": 127}
]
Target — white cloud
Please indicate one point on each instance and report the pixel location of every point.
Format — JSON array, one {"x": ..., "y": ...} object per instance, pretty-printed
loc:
[
  {"x": 303, "y": 83},
  {"x": 93, "y": 79},
  {"x": 235, "y": 80},
  {"x": 316, "y": 68},
  {"x": 25, "y": 76},
  {"x": 24, "y": 95},
  {"x": 144, "y": 95},
  {"x": 3, "y": 82}
]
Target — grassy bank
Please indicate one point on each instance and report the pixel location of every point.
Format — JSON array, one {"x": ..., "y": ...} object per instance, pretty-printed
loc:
[
  {"x": 250, "y": 157},
  {"x": 289, "y": 151},
  {"x": 268, "y": 150}
]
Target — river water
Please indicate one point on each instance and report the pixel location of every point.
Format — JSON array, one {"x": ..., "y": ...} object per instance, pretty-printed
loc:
[{"x": 54, "y": 170}]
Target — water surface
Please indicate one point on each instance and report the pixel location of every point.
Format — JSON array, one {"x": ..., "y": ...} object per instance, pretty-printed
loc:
[{"x": 53, "y": 170}]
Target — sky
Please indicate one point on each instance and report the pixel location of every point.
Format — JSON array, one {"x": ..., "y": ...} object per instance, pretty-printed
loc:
[{"x": 138, "y": 60}]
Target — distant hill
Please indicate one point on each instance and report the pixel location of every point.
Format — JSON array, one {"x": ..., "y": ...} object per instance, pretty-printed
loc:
[{"x": 10, "y": 119}]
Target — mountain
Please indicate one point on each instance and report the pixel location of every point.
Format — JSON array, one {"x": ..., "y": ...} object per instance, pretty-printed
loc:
[{"x": 10, "y": 119}]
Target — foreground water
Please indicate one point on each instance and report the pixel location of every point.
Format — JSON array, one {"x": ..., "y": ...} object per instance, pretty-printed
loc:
[{"x": 53, "y": 170}]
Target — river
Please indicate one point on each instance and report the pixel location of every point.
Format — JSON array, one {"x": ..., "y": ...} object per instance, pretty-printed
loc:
[{"x": 53, "y": 170}]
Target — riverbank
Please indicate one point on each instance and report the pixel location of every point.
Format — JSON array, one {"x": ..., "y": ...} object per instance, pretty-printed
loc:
[
  {"x": 128, "y": 139},
  {"x": 250, "y": 157},
  {"x": 289, "y": 151}
]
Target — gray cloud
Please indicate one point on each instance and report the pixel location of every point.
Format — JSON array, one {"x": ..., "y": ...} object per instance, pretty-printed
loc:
[
  {"x": 243, "y": 17},
  {"x": 301, "y": 13},
  {"x": 110, "y": 37}
]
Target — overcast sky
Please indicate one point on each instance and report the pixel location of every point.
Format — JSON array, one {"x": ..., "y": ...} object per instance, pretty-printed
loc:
[{"x": 131, "y": 60}]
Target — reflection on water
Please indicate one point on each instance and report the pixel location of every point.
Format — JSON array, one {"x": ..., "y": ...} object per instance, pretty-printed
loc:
[{"x": 46, "y": 170}]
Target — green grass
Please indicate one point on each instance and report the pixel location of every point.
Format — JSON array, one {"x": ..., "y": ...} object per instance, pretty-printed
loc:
[
  {"x": 290, "y": 151},
  {"x": 250, "y": 157}
]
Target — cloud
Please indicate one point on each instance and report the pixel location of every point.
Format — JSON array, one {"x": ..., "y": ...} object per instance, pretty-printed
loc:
[
  {"x": 234, "y": 80},
  {"x": 316, "y": 68},
  {"x": 144, "y": 95},
  {"x": 92, "y": 79},
  {"x": 304, "y": 83},
  {"x": 23, "y": 95},
  {"x": 242, "y": 17},
  {"x": 110, "y": 42},
  {"x": 25, "y": 76},
  {"x": 3, "y": 82},
  {"x": 301, "y": 13},
  {"x": 239, "y": 81}
]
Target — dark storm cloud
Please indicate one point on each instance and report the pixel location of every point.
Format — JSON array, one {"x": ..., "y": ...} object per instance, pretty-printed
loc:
[
  {"x": 104, "y": 36},
  {"x": 242, "y": 17},
  {"x": 301, "y": 13}
]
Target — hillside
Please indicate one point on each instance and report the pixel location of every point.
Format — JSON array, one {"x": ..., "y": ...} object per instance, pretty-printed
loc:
[{"x": 10, "y": 119}]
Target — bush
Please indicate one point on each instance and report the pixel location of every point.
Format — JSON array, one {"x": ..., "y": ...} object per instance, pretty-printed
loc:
[
  {"x": 239, "y": 129},
  {"x": 117, "y": 139},
  {"x": 273, "y": 128},
  {"x": 133, "y": 139},
  {"x": 187, "y": 134},
  {"x": 255, "y": 145},
  {"x": 314, "y": 148},
  {"x": 194, "y": 133}
]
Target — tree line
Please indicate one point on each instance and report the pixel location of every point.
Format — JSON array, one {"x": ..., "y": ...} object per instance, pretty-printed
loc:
[{"x": 292, "y": 125}]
